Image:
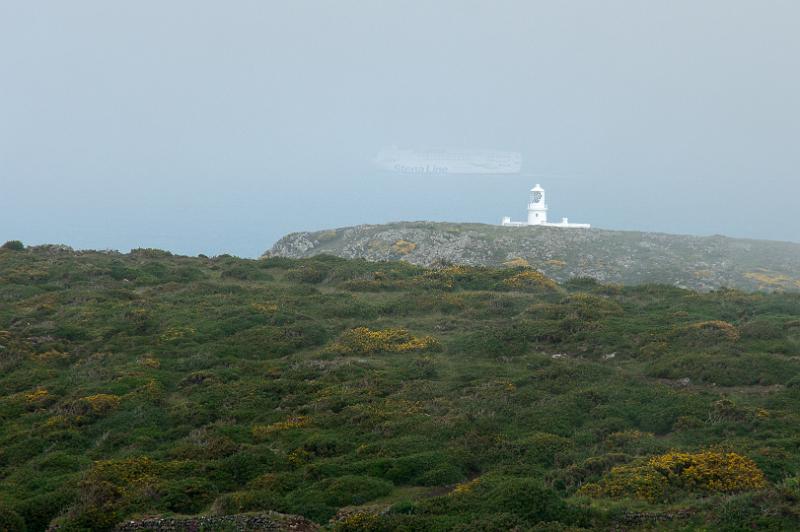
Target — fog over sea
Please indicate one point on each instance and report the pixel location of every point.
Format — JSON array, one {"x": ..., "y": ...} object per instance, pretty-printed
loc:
[{"x": 209, "y": 127}]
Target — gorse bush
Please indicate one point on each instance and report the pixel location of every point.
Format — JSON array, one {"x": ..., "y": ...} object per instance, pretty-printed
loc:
[
  {"x": 100, "y": 404},
  {"x": 365, "y": 341},
  {"x": 675, "y": 473},
  {"x": 706, "y": 332},
  {"x": 591, "y": 306},
  {"x": 359, "y": 522},
  {"x": 296, "y": 422},
  {"x": 530, "y": 279}
]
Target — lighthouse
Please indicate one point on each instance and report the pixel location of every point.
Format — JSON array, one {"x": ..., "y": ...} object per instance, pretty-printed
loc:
[
  {"x": 537, "y": 208},
  {"x": 537, "y": 213}
]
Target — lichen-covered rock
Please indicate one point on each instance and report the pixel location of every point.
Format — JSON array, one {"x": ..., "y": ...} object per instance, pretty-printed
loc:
[
  {"x": 626, "y": 257},
  {"x": 238, "y": 522}
]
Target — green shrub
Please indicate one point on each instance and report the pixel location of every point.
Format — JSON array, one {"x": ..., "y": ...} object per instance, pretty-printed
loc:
[
  {"x": 752, "y": 511},
  {"x": 632, "y": 442},
  {"x": 542, "y": 448},
  {"x": 10, "y": 521},
  {"x": 440, "y": 476},
  {"x": 278, "y": 262},
  {"x": 763, "y": 329},
  {"x": 240, "y": 468},
  {"x": 500, "y": 340},
  {"x": 583, "y": 284},
  {"x": 351, "y": 490},
  {"x": 308, "y": 273},
  {"x": 13, "y": 245},
  {"x": 525, "y": 499},
  {"x": 187, "y": 496},
  {"x": 704, "y": 334},
  {"x": 246, "y": 271},
  {"x": 247, "y": 501},
  {"x": 727, "y": 369},
  {"x": 118, "y": 271},
  {"x": 409, "y": 469},
  {"x": 592, "y": 306},
  {"x": 150, "y": 253},
  {"x": 493, "y": 522},
  {"x": 38, "y": 511}
]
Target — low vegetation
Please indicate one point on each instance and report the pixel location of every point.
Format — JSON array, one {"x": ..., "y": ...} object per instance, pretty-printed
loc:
[
  {"x": 386, "y": 396},
  {"x": 627, "y": 257}
]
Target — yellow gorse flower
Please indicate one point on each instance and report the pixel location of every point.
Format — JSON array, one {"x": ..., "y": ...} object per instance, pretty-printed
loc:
[
  {"x": 295, "y": 422},
  {"x": 102, "y": 403},
  {"x": 530, "y": 279},
  {"x": 727, "y": 330},
  {"x": 364, "y": 341},
  {"x": 675, "y": 472}
]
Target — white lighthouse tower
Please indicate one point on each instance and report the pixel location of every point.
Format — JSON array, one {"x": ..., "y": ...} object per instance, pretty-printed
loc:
[
  {"x": 537, "y": 208},
  {"x": 537, "y": 213}
]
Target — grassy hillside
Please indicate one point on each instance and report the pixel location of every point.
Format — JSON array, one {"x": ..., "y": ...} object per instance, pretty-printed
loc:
[
  {"x": 626, "y": 257},
  {"x": 386, "y": 396}
]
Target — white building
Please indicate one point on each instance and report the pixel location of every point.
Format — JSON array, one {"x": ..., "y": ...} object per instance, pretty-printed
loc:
[{"x": 537, "y": 213}]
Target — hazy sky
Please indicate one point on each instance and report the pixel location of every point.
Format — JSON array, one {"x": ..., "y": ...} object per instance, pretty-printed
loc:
[{"x": 209, "y": 127}]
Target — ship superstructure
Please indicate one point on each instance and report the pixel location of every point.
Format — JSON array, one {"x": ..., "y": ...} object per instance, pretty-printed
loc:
[{"x": 442, "y": 161}]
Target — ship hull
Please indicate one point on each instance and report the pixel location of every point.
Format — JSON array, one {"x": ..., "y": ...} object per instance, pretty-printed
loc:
[{"x": 444, "y": 162}]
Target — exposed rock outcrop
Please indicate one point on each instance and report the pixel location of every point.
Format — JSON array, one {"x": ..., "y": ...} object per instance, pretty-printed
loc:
[
  {"x": 240, "y": 522},
  {"x": 627, "y": 257}
]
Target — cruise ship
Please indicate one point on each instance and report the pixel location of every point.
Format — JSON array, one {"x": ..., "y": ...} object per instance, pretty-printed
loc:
[{"x": 444, "y": 161}]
